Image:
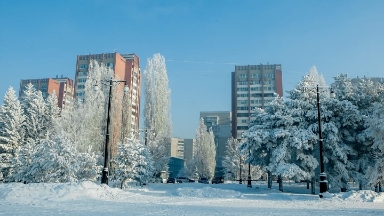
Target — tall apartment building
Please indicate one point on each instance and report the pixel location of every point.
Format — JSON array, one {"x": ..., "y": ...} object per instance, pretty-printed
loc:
[
  {"x": 220, "y": 123},
  {"x": 63, "y": 87},
  {"x": 253, "y": 86},
  {"x": 125, "y": 67}
]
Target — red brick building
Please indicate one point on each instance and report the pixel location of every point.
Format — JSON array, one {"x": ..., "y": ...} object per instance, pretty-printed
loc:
[
  {"x": 125, "y": 67},
  {"x": 63, "y": 88}
]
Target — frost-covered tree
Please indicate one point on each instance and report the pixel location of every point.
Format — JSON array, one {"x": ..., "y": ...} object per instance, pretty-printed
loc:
[
  {"x": 126, "y": 129},
  {"x": 33, "y": 104},
  {"x": 363, "y": 93},
  {"x": 133, "y": 163},
  {"x": 339, "y": 122},
  {"x": 270, "y": 142},
  {"x": 55, "y": 159},
  {"x": 84, "y": 121},
  {"x": 305, "y": 88},
  {"x": 157, "y": 117},
  {"x": 375, "y": 170},
  {"x": 52, "y": 111},
  {"x": 233, "y": 158},
  {"x": 22, "y": 161},
  {"x": 93, "y": 108},
  {"x": 204, "y": 152},
  {"x": 303, "y": 107},
  {"x": 11, "y": 130}
]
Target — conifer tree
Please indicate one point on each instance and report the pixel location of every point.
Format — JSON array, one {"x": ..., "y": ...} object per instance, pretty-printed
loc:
[
  {"x": 12, "y": 120},
  {"x": 133, "y": 163},
  {"x": 34, "y": 109}
]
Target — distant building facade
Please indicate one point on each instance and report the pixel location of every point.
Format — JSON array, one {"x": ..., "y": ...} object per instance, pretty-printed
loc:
[
  {"x": 253, "y": 86},
  {"x": 63, "y": 88},
  {"x": 188, "y": 149},
  {"x": 220, "y": 123},
  {"x": 177, "y": 147}
]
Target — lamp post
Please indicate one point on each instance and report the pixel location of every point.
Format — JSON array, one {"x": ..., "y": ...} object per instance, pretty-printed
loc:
[
  {"x": 249, "y": 173},
  {"x": 104, "y": 177},
  {"x": 240, "y": 181},
  {"x": 323, "y": 177}
]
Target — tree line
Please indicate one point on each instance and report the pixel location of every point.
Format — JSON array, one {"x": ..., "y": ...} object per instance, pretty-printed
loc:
[{"x": 283, "y": 137}]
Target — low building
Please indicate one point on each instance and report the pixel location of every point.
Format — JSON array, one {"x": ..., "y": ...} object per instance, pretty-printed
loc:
[{"x": 175, "y": 165}]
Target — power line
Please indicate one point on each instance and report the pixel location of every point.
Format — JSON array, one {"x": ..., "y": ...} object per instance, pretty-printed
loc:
[{"x": 201, "y": 62}]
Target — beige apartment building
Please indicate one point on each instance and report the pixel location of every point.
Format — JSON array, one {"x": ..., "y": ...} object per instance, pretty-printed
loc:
[{"x": 253, "y": 86}]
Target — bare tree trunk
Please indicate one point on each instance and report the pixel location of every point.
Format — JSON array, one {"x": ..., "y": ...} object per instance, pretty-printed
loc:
[
  {"x": 269, "y": 180},
  {"x": 280, "y": 180},
  {"x": 312, "y": 185}
]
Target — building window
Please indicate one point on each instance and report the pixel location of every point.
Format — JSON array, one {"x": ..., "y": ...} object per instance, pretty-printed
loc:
[
  {"x": 109, "y": 64},
  {"x": 242, "y": 108},
  {"x": 255, "y": 82},
  {"x": 82, "y": 80},
  {"x": 242, "y": 89},
  {"x": 242, "y": 83},
  {"x": 242, "y": 102},
  {"x": 242, "y": 127},
  {"x": 242, "y": 75},
  {"x": 244, "y": 121},
  {"x": 242, "y": 115},
  {"x": 242, "y": 95},
  {"x": 80, "y": 87},
  {"x": 83, "y": 66},
  {"x": 255, "y": 75},
  {"x": 83, "y": 73}
]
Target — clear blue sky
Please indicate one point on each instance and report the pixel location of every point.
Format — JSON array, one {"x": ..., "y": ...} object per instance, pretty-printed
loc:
[{"x": 202, "y": 41}]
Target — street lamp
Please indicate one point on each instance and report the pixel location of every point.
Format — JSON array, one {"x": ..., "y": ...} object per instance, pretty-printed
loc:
[
  {"x": 104, "y": 177},
  {"x": 249, "y": 172},
  {"x": 240, "y": 181},
  {"x": 323, "y": 177}
]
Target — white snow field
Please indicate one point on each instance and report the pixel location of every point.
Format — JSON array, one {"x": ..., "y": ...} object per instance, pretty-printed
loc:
[{"x": 88, "y": 198}]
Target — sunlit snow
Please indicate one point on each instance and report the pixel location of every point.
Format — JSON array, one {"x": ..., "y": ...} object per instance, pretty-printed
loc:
[{"x": 88, "y": 198}]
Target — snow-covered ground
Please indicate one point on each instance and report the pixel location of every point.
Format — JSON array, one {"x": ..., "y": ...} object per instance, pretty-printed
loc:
[{"x": 88, "y": 198}]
